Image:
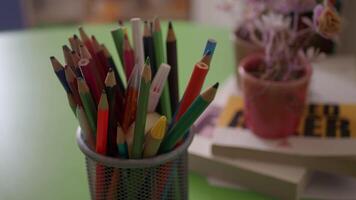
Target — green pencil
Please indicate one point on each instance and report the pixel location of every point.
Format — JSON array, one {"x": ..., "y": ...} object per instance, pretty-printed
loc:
[
  {"x": 88, "y": 103},
  {"x": 139, "y": 131},
  {"x": 188, "y": 118},
  {"x": 84, "y": 125},
  {"x": 118, "y": 37},
  {"x": 165, "y": 100}
]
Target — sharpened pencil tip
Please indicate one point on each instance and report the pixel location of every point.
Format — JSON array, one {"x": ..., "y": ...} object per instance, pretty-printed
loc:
[
  {"x": 216, "y": 85},
  {"x": 147, "y": 62},
  {"x": 121, "y": 23},
  {"x": 170, "y": 26},
  {"x": 52, "y": 57}
]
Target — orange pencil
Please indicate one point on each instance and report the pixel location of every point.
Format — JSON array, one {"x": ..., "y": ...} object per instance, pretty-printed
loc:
[{"x": 193, "y": 88}]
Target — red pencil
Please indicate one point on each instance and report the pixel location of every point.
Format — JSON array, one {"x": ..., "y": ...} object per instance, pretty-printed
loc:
[
  {"x": 84, "y": 53},
  {"x": 101, "y": 142},
  {"x": 102, "y": 124},
  {"x": 103, "y": 63},
  {"x": 86, "y": 40},
  {"x": 193, "y": 88},
  {"x": 129, "y": 57},
  {"x": 86, "y": 68}
]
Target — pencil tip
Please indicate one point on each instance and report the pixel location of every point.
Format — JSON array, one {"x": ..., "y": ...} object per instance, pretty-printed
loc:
[
  {"x": 216, "y": 85},
  {"x": 52, "y": 58},
  {"x": 65, "y": 47},
  {"x": 147, "y": 62},
  {"x": 170, "y": 26},
  {"x": 121, "y": 23}
]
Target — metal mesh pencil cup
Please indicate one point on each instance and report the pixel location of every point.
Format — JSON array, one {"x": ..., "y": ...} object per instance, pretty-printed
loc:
[{"x": 160, "y": 177}]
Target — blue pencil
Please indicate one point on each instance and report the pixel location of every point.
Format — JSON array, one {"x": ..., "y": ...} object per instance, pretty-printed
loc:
[
  {"x": 59, "y": 70},
  {"x": 210, "y": 47}
]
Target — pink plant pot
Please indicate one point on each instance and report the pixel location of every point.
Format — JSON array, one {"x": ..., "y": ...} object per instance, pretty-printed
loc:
[{"x": 272, "y": 109}]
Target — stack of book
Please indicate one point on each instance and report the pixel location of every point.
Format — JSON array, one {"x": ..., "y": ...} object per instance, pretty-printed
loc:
[{"x": 317, "y": 162}]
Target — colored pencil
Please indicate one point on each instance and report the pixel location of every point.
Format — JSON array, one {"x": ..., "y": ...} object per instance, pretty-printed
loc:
[
  {"x": 154, "y": 138},
  {"x": 84, "y": 125},
  {"x": 74, "y": 43},
  {"x": 118, "y": 37},
  {"x": 157, "y": 86},
  {"x": 120, "y": 81},
  {"x": 137, "y": 36},
  {"x": 149, "y": 47},
  {"x": 101, "y": 141},
  {"x": 209, "y": 51},
  {"x": 87, "y": 70},
  {"x": 76, "y": 59},
  {"x": 129, "y": 57},
  {"x": 102, "y": 125},
  {"x": 68, "y": 57},
  {"x": 72, "y": 83},
  {"x": 193, "y": 88},
  {"x": 172, "y": 60},
  {"x": 71, "y": 102},
  {"x": 179, "y": 129},
  {"x": 110, "y": 86},
  {"x": 86, "y": 40},
  {"x": 131, "y": 99},
  {"x": 165, "y": 102},
  {"x": 121, "y": 143},
  {"x": 103, "y": 64},
  {"x": 59, "y": 70},
  {"x": 88, "y": 104},
  {"x": 84, "y": 53},
  {"x": 140, "y": 123}
]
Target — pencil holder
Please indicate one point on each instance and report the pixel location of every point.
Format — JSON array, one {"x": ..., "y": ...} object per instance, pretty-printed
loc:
[{"x": 160, "y": 177}]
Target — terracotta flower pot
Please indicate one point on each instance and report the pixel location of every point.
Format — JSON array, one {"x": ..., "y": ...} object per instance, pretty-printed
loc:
[{"x": 272, "y": 109}]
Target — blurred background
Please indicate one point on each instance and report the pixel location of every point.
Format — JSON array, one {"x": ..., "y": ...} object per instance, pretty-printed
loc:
[{"x": 24, "y": 14}]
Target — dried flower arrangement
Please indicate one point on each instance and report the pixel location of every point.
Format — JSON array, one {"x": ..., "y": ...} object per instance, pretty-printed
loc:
[{"x": 277, "y": 27}]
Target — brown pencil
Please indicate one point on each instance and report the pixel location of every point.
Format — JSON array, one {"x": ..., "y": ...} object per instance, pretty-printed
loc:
[
  {"x": 172, "y": 60},
  {"x": 72, "y": 82},
  {"x": 68, "y": 57}
]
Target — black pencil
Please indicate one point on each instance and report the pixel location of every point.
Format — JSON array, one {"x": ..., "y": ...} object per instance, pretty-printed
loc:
[
  {"x": 171, "y": 46},
  {"x": 149, "y": 47},
  {"x": 110, "y": 87}
]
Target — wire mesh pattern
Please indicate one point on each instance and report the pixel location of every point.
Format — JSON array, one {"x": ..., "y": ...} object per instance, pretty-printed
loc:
[
  {"x": 162, "y": 177},
  {"x": 165, "y": 181}
]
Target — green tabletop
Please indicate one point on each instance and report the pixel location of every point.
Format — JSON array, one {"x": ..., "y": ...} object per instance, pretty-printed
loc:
[{"x": 39, "y": 156}]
